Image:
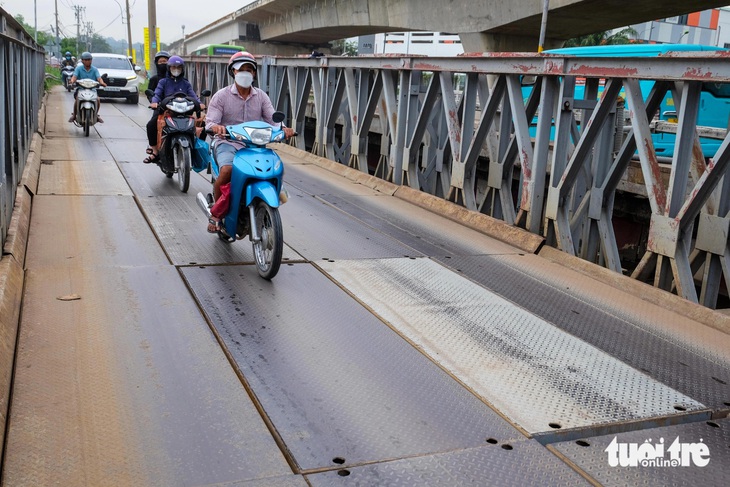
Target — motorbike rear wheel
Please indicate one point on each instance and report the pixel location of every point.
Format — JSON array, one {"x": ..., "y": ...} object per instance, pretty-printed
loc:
[
  {"x": 182, "y": 164},
  {"x": 269, "y": 250}
]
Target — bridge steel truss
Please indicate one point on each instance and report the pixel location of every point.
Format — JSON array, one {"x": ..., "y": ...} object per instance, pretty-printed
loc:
[
  {"x": 21, "y": 91},
  {"x": 568, "y": 169}
]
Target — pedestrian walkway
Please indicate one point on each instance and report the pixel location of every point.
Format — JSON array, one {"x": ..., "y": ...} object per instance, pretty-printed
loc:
[{"x": 396, "y": 346}]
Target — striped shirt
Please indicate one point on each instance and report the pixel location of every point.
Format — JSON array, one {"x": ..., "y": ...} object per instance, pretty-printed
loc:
[{"x": 227, "y": 107}]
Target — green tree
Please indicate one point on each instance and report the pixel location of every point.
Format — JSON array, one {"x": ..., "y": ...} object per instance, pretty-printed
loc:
[
  {"x": 624, "y": 36},
  {"x": 344, "y": 48},
  {"x": 43, "y": 37}
]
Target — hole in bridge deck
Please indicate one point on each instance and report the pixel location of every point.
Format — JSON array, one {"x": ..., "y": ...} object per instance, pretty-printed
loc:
[
  {"x": 492, "y": 441},
  {"x": 582, "y": 443},
  {"x": 338, "y": 460},
  {"x": 555, "y": 426},
  {"x": 507, "y": 447},
  {"x": 719, "y": 380},
  {"x": 680, "y": 408},
  {"x": 343, "y": 473},
  {"x": 713, "y": 424}
]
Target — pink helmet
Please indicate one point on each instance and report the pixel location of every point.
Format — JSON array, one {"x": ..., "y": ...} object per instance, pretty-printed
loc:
[{"x": 239, "y": 59}]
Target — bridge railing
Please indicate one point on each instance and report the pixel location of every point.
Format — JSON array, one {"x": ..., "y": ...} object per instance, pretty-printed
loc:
[
  {"x": 552, "y": 161},
  {"x": 21, "y": 91}
]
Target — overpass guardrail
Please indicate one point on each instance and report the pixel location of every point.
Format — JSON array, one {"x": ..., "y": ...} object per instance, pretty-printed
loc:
[{"x": 560, "y": 178}]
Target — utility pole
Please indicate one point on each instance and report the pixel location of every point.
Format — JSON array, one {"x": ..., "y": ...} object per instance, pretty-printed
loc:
[
  {"x": 129, "y": 32},
  {"x": 35, "y": 21},
  {"x": 58, "y": 40},
  {"x": 152, "y": 25},
  {"x": 89, "y": 30},
  {"x": 183, "y": 39},
  {"x": 78, "y": 10}
]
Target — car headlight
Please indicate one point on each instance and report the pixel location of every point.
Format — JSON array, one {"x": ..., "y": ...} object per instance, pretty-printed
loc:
[
  {"x": 260, "y": 136},
  {"x": 130, "y": 78}
]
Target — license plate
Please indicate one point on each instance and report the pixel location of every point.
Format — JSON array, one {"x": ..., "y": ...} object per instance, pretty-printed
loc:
[{"x": 111, "y": 88}]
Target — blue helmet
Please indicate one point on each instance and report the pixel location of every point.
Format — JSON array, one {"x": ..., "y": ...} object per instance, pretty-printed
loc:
[
  {"x": 68, "y": 54},
  {"x": 175, "y": 61}
]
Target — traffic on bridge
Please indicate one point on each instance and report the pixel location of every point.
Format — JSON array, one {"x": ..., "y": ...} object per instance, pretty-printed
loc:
[{"x": 451, "y": 307}]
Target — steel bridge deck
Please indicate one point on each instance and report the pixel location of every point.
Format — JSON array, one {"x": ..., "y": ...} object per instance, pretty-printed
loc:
[{"x": 395, "y": 347}]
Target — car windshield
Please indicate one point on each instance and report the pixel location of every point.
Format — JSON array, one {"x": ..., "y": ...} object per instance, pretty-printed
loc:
[{"x": 111, "y": 63}]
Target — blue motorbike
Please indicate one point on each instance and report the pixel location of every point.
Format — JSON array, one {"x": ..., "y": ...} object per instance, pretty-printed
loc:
[{"x": 256, "y": 182}]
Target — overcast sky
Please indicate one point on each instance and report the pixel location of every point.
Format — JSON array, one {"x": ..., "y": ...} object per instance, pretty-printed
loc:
[{"x": 105, "y": 15}]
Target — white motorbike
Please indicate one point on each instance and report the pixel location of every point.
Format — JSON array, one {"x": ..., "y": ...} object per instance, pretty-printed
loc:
[{"x": 86, "y": 99}]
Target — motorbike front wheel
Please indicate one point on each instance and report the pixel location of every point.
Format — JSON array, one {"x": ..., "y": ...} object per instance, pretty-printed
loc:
[
  {"x": 268, "y": 251},
  {"x": 182, "y": 164},
  {"x": 87, "y": 123}
]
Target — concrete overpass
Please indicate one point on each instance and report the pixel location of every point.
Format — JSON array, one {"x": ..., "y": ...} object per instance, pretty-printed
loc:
[{"x": 483, "y": 25}]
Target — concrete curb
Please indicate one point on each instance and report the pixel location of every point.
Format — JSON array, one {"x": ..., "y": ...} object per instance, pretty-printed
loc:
[
  {"x": 517, "y": 237},
  {"x": 12, "y": 268},
  {"x": 647, "y": 292}
]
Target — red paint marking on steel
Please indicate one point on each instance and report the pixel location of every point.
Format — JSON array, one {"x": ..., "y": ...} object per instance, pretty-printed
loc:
[
  {"x": 452, "y": 115},
  {"x": 526, "y": 169},
  {"x": 696, "y": 73},
  {"x": 603, "y": 71}
]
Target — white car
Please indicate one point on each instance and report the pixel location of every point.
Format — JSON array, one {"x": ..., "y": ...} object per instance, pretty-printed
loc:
[{"x": 122, "y": 78}]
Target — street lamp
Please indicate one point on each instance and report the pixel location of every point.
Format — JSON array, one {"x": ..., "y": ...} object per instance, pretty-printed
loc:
[{"x": 679, "y": 41}]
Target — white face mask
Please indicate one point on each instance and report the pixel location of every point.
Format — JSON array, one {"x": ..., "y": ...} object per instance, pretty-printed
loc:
[
  {"x": 175, "y": 71},
  {"x": 244, "y": 79}
]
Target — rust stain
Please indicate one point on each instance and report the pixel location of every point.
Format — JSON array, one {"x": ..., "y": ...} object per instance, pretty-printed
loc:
[
  {"x": 655, "y": 186},
  {"x": 603, "y": 71}
]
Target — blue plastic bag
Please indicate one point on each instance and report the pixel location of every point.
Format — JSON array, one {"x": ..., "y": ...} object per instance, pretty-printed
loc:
[{"x": 201, "y": 155}]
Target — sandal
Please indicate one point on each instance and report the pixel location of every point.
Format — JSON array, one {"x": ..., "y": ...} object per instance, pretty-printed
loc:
[
  {"x": 99, "y": 120},
  {"x": 152, "y": 158},
  {"x": 214, "y": 225},
  {"x": 149, "y": 151}
]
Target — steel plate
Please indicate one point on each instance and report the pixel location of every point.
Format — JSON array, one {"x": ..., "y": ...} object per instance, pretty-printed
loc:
[
  {"x": 521, "y": 463},
  {"x": 318, "y": 181},
  {"x": 319, "y": 231},
  {"x": 148, "y": 180},
  {"x": 338, "y": 385},
  {"x": 126, "y": 150},
  {"x": 127, "y": 386},
  {"x": 534, "y": 373},
  {"x": 107, "y": 231},
  {"x": 590, "y": 455},
  {"x": 81, "y": 149},
  {"x": 116, "y": 126},
  {"x": 181, "y": 228},
  {"x": 82, "y": 178},
  {"x": 687, "y": 356}
]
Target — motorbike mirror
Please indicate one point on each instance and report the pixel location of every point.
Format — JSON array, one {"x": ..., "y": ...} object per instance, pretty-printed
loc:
[
  {"x": 149, "y": 92},
  {"x": 137, "y": 69},
  {"x": 205, "y": 93},
  {"x": 278, "y": 117},
  {"x": 104, "y": 76}
]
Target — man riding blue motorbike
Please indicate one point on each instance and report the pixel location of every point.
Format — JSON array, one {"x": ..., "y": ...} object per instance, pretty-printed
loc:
[{"x": 235, "y": 104}]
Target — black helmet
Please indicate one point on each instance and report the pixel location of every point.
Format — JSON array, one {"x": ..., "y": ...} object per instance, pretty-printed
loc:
[{"x": 161, "y": 54}]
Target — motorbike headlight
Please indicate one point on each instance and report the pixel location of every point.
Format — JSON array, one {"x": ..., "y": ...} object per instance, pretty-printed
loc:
[
  {"x": 239, "y": 137},
  {"x": 279, "y": 137},
  {"x": 179, "y": 106},
  {"x": 260, "y": 136}
]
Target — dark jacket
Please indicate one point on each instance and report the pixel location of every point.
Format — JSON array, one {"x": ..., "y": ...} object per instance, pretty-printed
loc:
[{"x": 168, "y": 86}]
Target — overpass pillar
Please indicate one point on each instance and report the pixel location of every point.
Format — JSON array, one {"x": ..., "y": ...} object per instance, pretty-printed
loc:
[{"x": 485, "y": 42}]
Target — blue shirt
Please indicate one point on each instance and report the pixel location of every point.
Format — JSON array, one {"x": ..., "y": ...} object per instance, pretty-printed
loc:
[
  {"x": 81, "y": 73},
  {"x": 169, "y": 86}
]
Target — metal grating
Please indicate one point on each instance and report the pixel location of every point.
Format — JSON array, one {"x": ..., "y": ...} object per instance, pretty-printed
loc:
[
  {"x": 82, "y": 178},
  {"x": 318, "y": 181},
  {"x": 689, "y": 357},
  {"x": 127, "y": 386},
  {"x": 532, "y": 372},
  {"x": 318, "y": 231},
  {"x": 509, "y": 464},
  {"x": 334, "y": 380},
  {"x": 590, "y": 455},
  {"x": 181, "y": 228},
  {"x": 147, "y": 180}
]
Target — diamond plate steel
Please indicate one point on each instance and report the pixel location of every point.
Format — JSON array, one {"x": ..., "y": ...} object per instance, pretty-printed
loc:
[
  {"x": 318, "y": 231},
  {"x": 82, "y": 178},
  {"x": 589, "y": 454},
  {"x": 286, "y": 481},
  {"x": 127, "y": 386},
  {"x": 687, "y": 356},
  {"x": 106, "y": 231},
  {"x": 534, "y": 373},
  {"x": 182, "y": 230},
  {"x": 82, "y": 149},
  {"x": 517, "y": 464},
  {"x": 147, "y": 180},
  {"x": 117, "y": 126},
  {"x": 335, "y": 381}
]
